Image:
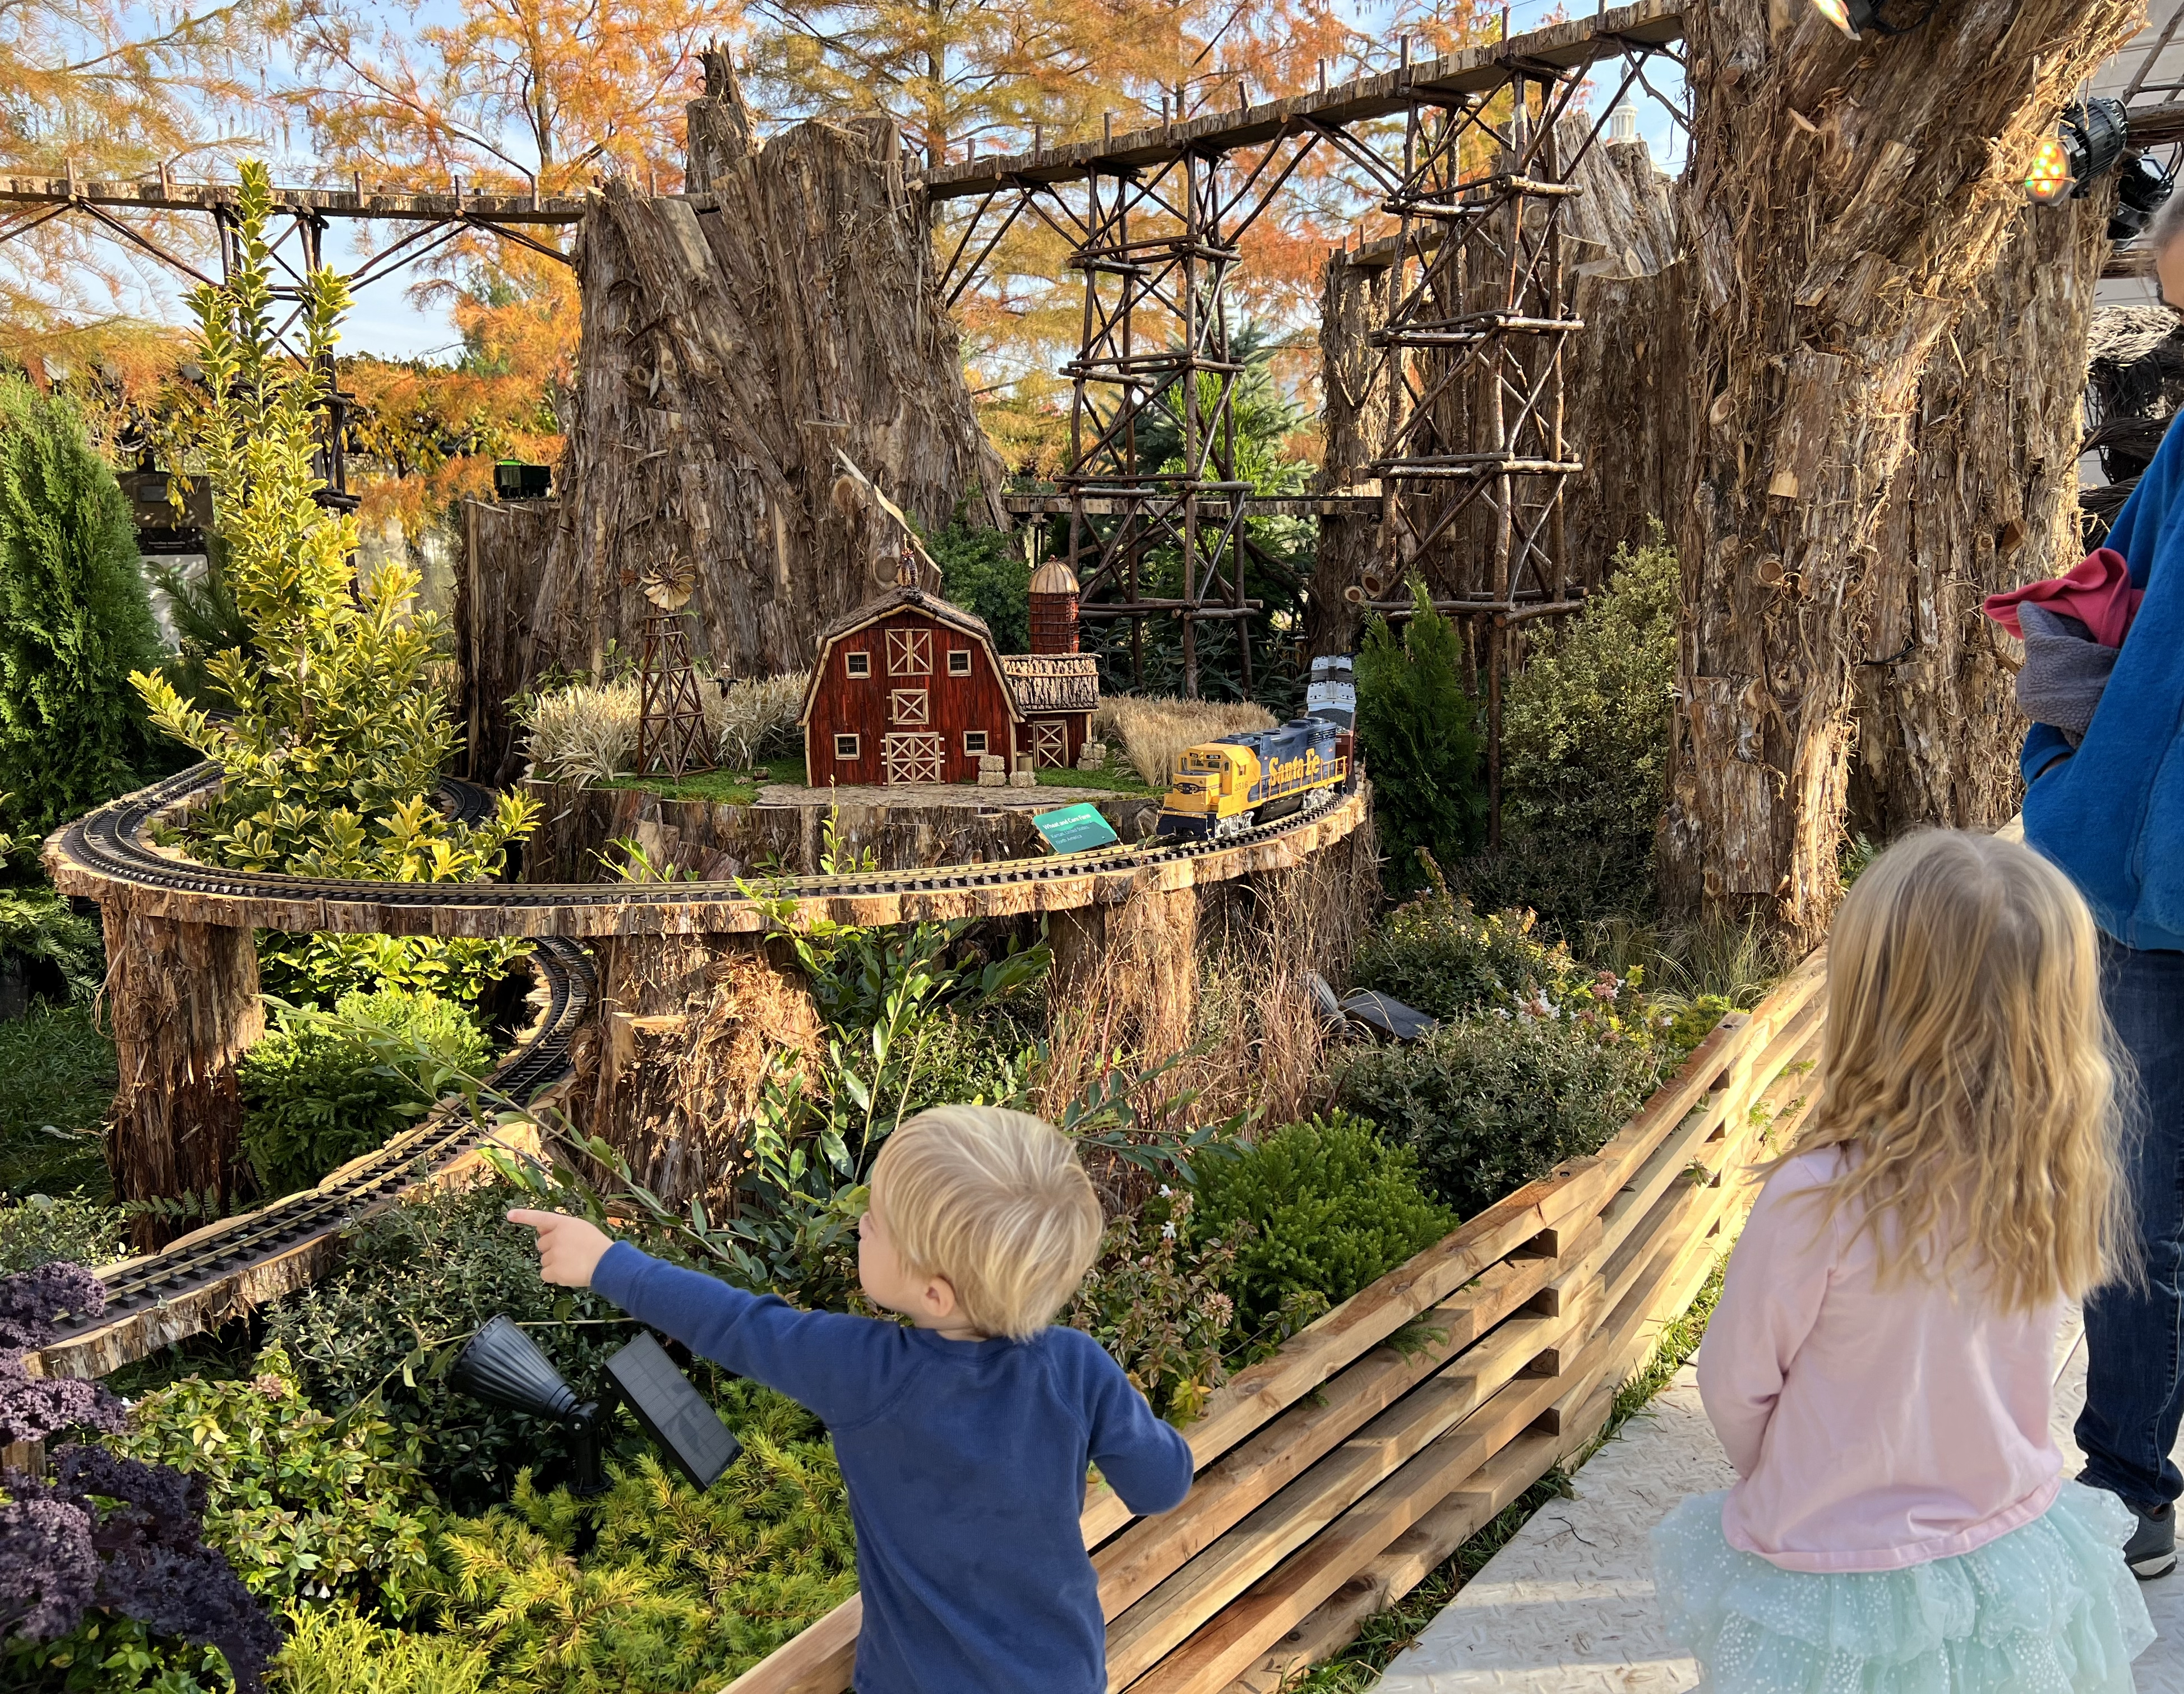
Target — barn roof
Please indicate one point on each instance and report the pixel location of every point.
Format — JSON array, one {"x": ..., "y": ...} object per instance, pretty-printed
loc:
[
  {"x": 903, "y": 598},
  {"x": 1053, "y": 682}
]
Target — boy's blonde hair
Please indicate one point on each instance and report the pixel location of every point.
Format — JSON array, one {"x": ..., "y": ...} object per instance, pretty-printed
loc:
[
  {"x": 1968, "y": 1059},
  {"x": 995, "y": 1201}
]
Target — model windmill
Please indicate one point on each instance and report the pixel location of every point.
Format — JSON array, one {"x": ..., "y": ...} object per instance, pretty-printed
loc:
[{"x": 671, "y": 723}]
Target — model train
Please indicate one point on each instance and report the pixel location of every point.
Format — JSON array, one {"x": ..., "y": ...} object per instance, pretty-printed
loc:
[{"x": 1226, "y": 786}]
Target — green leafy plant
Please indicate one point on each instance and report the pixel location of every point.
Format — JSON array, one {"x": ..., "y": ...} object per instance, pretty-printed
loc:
[
  {"x": 337, "y": 725},
  {"x": 419, "y": 1279},
  {"x": 1330, "y": 1208},
  {"x": 1158, "y": 1301},
  {"x": 1493, "y": 1103},
  {"x": 1436, "y": 953},
  {"x": 317, "y": 1092},
  {"x": 301, "y": 1504},
  {"x": 680, "y": 1590},
  {"x": 45, "y": 1228},
  {"x": 74, "y": 619},
  {"x": 61, "y": 1076},
  {"x": 1417, "y": 730}
]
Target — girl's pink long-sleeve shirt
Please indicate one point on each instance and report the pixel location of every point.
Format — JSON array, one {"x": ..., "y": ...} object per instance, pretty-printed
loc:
[{"x": 1871, "y": 1428}]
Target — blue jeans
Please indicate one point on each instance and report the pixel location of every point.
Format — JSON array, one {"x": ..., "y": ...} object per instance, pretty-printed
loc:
[{"x": 2135, "y": 1336}]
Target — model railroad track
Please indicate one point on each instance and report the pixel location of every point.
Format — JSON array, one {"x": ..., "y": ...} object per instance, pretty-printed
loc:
[
  {"x": 108, "y": 848},
  {"x": 231, "y": 1266},
  {"x": 160, "y": 1296}
]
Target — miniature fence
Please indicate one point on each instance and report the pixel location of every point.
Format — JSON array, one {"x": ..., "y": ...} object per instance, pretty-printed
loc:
[{"x": 1334, "y": 1475}]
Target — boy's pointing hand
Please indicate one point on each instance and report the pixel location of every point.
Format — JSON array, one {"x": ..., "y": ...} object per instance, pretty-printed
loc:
[{"x": 568, "y": 1248}]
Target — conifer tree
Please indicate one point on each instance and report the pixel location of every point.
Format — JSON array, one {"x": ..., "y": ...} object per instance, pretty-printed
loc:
[{"x": 74, "y": 619}]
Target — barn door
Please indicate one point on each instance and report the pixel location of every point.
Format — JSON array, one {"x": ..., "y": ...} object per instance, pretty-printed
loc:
[
  {"x": 1049, "y": 743},
  {"x": 912, "y": 757}
]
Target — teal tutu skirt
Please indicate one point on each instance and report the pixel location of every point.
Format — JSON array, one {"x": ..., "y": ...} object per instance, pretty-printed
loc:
[{"x": 2048, "y": 1608}]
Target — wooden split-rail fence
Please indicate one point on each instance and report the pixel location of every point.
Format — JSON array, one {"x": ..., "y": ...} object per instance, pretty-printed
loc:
[{"x": 1334, "y": 1475}]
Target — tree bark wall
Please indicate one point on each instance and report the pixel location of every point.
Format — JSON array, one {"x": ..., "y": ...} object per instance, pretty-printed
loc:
[
  {"x": 1987, "y": 501},
  {"x": 1625, "y": 372},
  {"x": 1844, "y": 202},
  {"x": 1354, "y": 389},
  {"x": 182, "y": 1000},
  {"x": 733, "y": 341},
  {"x": 503, "y": 560}
]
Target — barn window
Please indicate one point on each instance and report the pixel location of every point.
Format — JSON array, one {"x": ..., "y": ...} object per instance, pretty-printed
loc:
[
  {"x": 845, "y": 746},
  {"x": 974, "y": 741},
  {"x": 909, "y": 652},
  {"x": 907, "y": 706},
  {"x": 959, "y": 661},
  {"x": 860, "y": 664}
]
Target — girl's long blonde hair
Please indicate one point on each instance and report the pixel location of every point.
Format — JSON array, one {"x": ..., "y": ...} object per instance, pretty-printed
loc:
[{"x": 1968, "y": 1062}]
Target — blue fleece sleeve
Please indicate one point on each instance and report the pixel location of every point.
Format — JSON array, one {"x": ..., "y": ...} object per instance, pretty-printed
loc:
[
  {"x": 2044, "y": 744},
  {"x": 843, "y": 1369},
  {"x": 1144, "y": 1460}
]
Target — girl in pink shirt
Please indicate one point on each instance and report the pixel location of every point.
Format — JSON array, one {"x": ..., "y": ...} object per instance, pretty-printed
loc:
[{"x": 1879, "y": 1366}]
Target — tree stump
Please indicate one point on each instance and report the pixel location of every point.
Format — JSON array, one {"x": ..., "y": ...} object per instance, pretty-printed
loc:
[
  {"x": 182, "y": 1002},
  {"x": 734, "y": 339},
  {"x": 689, "y": 1032},
  {"x": 1987, "y": 501},
  {"x": 1132, "y": 966},
  {"x": 1845, "y": 202}
]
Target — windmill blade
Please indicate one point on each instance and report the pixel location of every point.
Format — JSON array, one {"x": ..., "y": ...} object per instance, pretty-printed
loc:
[{"x": 909, "y": 531}]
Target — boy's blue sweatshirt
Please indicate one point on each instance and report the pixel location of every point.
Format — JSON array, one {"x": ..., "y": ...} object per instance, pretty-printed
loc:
[
  {"x": 2112, "y": 816},
  {"x": 965, "y": 1462}
]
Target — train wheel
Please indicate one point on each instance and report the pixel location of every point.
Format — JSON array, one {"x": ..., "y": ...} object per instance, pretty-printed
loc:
[{"x": 1232, "y": 826}]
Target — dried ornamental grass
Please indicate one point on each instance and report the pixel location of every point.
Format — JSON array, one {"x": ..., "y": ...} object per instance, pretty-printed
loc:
[
  {"x": 587, "y": 732},
  {"x": 1154, "y": 732}
]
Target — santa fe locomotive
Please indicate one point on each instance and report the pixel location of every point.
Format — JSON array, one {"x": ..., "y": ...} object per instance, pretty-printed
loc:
[{"x": 1226, "y": 786}]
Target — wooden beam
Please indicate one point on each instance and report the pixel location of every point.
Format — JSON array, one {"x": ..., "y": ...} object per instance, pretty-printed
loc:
[
  {"x": 394, "y": 206},
  {"x": 1473, "y": 71}
]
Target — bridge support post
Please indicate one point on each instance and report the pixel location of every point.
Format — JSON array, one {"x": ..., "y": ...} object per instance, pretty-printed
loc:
[
  {"x": 182, "y": 1002},
  {"x": 688, "y": 1029},
  {"x": 1136, "y": 962}
]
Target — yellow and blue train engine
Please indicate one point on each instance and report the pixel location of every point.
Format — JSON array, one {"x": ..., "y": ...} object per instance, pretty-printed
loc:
[{"x": 1224, "y": 787}]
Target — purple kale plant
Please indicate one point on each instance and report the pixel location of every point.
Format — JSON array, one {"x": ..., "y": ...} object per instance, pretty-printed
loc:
[
  {"x": 103, "y": 1530},
  {"x": 33, "y": 1306}
]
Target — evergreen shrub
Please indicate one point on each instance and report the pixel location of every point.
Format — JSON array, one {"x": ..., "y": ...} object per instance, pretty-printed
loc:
[
  {"x": 419, "y": 1279},
  {"x": 62, "y": 956},
  {"x": 1418, "y": 729},
  {"x": 681, "y": 1590},
  {"x": 1492, "y": 1102},
  {"x": 1585, "y": 733},
  {"x": 984, "y": 571},
  {"x": 74, "y": 619},
  {"x": 1330, "y": 1208},
  {"x": 333, "y": 1650},
  {"x": 45, "y": 1228},
  {"x": 1436, "y": 953},
  {"x": 319, "y": 1091}
]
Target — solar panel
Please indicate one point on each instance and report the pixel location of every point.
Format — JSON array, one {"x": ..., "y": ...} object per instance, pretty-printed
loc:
[{"x": 674, "y": 1413}]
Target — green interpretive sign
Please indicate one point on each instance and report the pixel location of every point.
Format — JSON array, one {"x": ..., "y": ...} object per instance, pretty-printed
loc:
[{"x": 1072, "y": 828}]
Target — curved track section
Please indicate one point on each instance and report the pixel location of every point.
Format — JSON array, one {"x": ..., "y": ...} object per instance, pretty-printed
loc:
[
  {"x": 227, "y": 1268},
  {"x": 107, "y": 857}
]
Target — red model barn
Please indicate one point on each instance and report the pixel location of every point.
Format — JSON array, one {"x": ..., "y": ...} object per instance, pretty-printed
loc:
[{"x": 907, "y": 688}]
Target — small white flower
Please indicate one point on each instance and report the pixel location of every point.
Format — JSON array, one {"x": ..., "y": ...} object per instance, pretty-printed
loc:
[
  {"x": 1166, "y": 1190},
  {"x": 1168, "y": 1232}
]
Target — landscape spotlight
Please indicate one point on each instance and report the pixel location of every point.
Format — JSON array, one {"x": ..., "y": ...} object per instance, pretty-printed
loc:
[
  {"x": 2088, "y": 141},
  {"x": 503, "y": 1366}
]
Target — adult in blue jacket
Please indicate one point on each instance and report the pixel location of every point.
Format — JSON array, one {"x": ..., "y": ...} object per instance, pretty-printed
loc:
[{"x": 2112, "y": 816}]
